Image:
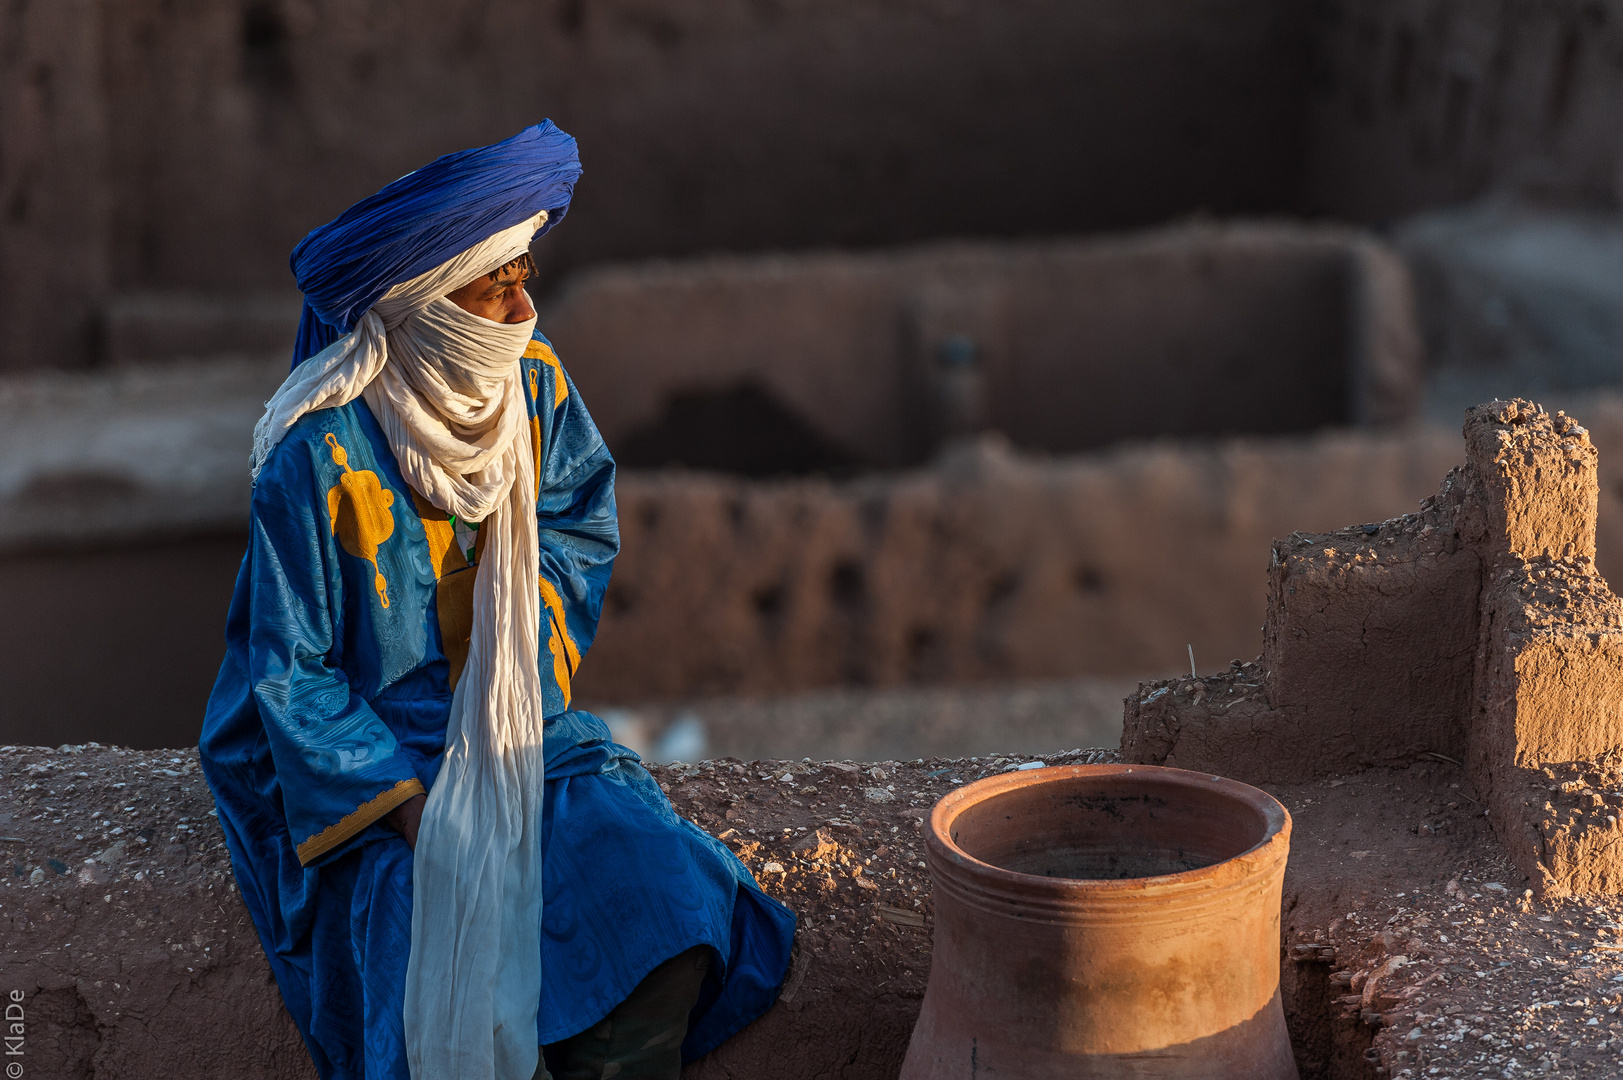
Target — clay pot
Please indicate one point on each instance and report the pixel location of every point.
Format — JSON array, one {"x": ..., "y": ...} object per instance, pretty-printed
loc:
[{"x": 1105, "y": 921}]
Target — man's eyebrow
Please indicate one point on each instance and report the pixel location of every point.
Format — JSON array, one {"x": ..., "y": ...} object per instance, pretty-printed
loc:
[
  {"x": 523, "y": 265},
  {"x": 501, "y": 280}
]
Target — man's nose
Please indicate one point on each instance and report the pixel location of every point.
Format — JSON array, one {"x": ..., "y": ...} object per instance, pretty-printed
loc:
[{"x": 520, "y": 310}]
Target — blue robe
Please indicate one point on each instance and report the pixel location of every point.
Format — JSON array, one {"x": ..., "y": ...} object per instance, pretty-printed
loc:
[{"x": 344, "y": 639}]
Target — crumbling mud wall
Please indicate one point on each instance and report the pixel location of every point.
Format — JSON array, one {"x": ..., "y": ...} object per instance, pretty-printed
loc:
[
  {"x": 1196, "y": 331},
  {"x": 222, "y": 131},
  {"x": 155, "y": 147},
  {"x": 1476, "y": 630},
  {"x": 122, "y": 497},
  {"x": 55, "y": 206},
  {"x": 1430, "y": 104},
  {"x": 990, "y": 566}
]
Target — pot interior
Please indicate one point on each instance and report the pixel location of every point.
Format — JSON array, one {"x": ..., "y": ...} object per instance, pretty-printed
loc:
[{"x": 1110, "y": 826}]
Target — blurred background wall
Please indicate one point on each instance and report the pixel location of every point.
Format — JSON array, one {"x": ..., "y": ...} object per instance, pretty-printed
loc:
[
  {"x": 1238, "y": 264},
  {"x": 186, "y": 145}
]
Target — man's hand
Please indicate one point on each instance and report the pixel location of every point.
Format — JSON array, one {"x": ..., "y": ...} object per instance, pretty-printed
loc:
[{"x": 405, "y": 818}]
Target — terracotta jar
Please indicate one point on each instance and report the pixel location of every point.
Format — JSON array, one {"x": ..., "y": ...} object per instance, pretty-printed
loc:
[{"x": 1105, "y": 921}]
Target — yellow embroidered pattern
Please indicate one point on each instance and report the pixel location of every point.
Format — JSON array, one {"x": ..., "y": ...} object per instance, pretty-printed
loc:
[
  {"x": 358, "y": 506},
  {"x": 535, "y": 422},
  {"x": 441, "y": 539},
  {"x": 535, "y": 445},
  {"x": 539, "y": 350},
  {"x": 357, "y": 819},
  {"x": 453, "y": 589},
  {"x": 565, "y": 654}
]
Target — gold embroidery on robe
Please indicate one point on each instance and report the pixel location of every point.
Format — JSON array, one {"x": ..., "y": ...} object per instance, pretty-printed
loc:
[
  {"x": 357, "y": 819},
  {"x": 453, "y": 591},
  {"x": 539, "y": 350},
  {"x": 359, "y": 508},
  {"x": 565, "y": 653},
  {"x": 535, "y": 423}
]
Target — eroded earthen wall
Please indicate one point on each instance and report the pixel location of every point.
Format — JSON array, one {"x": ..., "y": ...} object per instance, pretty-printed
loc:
[
  {"x": 1348, "y": 610},
  {"x": 55, "y": 191},
  {"x": 233, "y": 128},
  {"x": 187, "y": 146},
  {"x": 1432, "y": 103},
  {"x": 1479, "y": 632},
  {"x": 1066, "y": 345},
  {"x": 991, "y": 566}
]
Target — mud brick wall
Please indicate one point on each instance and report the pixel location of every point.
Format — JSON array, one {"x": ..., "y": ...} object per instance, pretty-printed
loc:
[
  {"x": 55, "y": 206},
  {"x": 1371, "y": 633},
  {"x": 1476, "y": 630},
  {"x": 991, "y": 566},
  {"x": 1368, "y": 651},
  {"x": 1438, "y": 102},
  {"x": 1548, "y": 722},
  {"x": 1532, "y": 484},
  {"x": 212, "y": 134},
  {"x": 186, "y": 146},
  {"x": 1190, "y": 330}
]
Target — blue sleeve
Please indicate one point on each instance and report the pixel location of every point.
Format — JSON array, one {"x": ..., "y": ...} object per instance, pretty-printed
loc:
[
  {"x": 337, "y": 763},
  {"x": 579, "y": 530}
]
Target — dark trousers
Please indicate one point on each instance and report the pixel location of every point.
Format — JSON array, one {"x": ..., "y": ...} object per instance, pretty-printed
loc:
[{"x": 642, "y": 1038}]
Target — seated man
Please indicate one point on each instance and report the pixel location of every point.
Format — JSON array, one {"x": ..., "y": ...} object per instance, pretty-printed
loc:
[{"x": 454, "y": 876}]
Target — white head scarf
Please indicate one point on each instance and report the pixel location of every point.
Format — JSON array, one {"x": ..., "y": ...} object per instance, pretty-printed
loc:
[{"x": 446, "y": 388}]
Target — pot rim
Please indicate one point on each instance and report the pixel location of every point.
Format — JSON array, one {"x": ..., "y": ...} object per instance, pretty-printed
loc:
[{"x": 1273, "y": 847}]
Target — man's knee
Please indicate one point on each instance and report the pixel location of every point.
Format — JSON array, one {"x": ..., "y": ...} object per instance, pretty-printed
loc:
[{"x": 641, "y": 1039}]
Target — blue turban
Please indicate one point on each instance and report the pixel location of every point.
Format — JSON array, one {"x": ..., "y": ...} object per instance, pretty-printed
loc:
[{"x": 423, "y": 219}]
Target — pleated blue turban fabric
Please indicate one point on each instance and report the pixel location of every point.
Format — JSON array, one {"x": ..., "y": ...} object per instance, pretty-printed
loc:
[{"x": 423, "y": 219}]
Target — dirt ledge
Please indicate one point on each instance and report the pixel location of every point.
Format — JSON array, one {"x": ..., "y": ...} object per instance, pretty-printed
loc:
[{"x": 1408, "y": 942}]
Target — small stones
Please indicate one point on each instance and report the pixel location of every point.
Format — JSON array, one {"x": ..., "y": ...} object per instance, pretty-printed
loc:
[
  {"x": 878, "y": 795},
  {"x": 817, "y": 846},
  {"x": 37, "y": 877},
  {"x": 93, "y": 873}
]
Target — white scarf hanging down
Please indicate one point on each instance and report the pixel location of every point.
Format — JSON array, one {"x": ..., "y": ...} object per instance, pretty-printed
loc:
[{"x": 445, "y": 386}]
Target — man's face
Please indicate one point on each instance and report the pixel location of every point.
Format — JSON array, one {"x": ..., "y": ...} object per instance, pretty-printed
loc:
[{"x": 499, "y": 296}]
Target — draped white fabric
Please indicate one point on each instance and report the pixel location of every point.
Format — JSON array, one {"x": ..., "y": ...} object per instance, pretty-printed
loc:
[{"x": 446, "y": 388}]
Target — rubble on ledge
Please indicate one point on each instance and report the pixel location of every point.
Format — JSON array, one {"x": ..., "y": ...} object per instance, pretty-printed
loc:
[
  {"x": 122, "y": 925},
  {"x": 1402, "y": 914}
]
